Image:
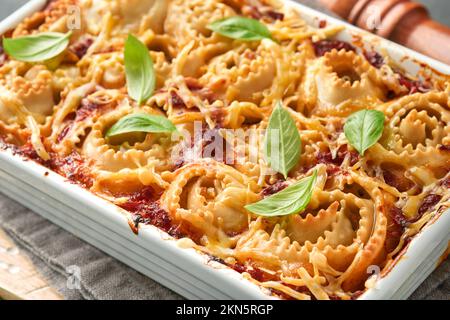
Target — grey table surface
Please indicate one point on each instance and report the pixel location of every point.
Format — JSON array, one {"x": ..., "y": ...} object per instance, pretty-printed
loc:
[{"x": 52, "y": 249}]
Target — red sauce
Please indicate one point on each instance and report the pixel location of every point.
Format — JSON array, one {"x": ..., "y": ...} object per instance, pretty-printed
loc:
[
  {"x": 275, "y": 188},
  {"x": 3, "y": 56},
  {"x": 87, "y": 109},
  {"x": 374, "y": 58},
  {"x": 262, "y": 276},
  {"x": 322, "y": 24},
  {"x": 397, "y": 181},
  {"x": 356, "y": 294},
  {"x": 239, "y": 267},
  {"x": 144, "y": 205},
  {"x": 413, "y": 86},
  {"x": 63, "y": 133},
  {"x": 254, "y": 271},
  {"x": 178, "y": 163},
  {"x": 262, "y": 13},
  {"x": 398, "y": 217},
  {"x": 323, "y": 46},
  {"x": 327, "y": 158},
  {"x": 445, "y": 148},
  {"x": 274, "y": 15},
  {"x": 397, "y": 222},
  {"x": 176, "y": 100},
  {"x": 217, "y": 148},
  {"x": 250, "y": 55},
  {"x": 256, "y": 274},
  {"x": 333, "y": 170},
  {"x": 252, "y": 11},
  {"x": 81, "y": 47},
  {"x": 73, "y": 167},
  {"x": 28, "y": 151},
  {"x": 446, "y": 182},
  {"x": 428, "y": 204},
  {"x": 218, "y": 116}
]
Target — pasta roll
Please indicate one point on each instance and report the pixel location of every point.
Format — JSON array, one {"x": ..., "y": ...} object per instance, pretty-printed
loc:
[
  {"x": 243, "y": 73},
  {"x": 416, "y": 126},
  {"x": 137, "y": 158},
  {"x": 417, "y": 122},
  {"x": 344, "y": 225},
  {"x": 151, "y": 13},
  {"x": 191, "y": 61},
  {"x": 210, "y": 197},
  {"x": 13, "y": 120},
  {"x": 77, "y": 113},
  {"x": 270, "y": 249},
  {"x": 188, "y": 20},
  {"x": 239, "y": 114},
  {"x": 34, "y": 91},
  {"x": 340, "y": 83}
]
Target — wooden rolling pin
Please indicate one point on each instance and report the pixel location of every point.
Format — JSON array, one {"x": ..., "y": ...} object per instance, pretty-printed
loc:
[{"x": 403, "y": 21}]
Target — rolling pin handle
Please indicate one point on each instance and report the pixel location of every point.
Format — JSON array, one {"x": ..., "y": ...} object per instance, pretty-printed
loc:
[{"x": 403, "y": 21}]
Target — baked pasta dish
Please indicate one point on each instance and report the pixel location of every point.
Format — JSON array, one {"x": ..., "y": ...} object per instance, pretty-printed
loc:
[{"x": 299, "y": 160}]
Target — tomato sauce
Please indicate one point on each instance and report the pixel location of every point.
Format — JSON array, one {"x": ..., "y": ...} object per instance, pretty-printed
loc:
[
  {"x": 3, "y": 56},
  {"x": 323, "y": 46},
  {"x": 374, "y": 58},
  {"x": 81, "y": 47},
  {"x": 275, "y": 188}
]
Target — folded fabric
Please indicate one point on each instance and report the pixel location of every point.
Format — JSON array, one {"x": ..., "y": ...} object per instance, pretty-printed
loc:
[{"x": 56, "y": 253}]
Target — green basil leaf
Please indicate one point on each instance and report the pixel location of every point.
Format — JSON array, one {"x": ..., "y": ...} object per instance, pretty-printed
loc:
[
  {"x": 241, "y": 28},
  {"x": 291, "y": 200},
  {"x": 37, "y": 48},
  {"x": 141, "y": 122},
  {"x": 364, "y": 128},
  {"x": 139, "y": 70},
  {"x": 283, "y": 146}
]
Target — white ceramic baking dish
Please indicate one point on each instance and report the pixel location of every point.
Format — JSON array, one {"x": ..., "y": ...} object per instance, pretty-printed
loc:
[{"x": 155, "y": 254}]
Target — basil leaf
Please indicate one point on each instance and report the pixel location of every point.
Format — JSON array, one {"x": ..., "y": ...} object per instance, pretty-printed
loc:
[
  {"x": 291, "y": 200},
  {"x": 37, "y": 48},
  {"x": 139, "y": 70},
  {"x": 241, "y": 28},
  {"x": 283, "y": 146},
  {"x": 364, "y": 128},
  {"x": 141, "y": 122}
]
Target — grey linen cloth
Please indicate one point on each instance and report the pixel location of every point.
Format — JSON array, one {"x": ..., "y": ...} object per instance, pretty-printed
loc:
[{"x": 54, "y": 252}]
